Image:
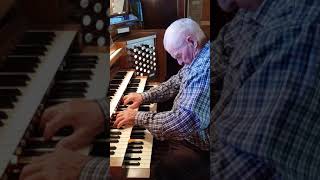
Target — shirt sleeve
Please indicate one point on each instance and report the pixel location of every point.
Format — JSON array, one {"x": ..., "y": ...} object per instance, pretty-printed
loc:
[
  {"x": 164, "y": 91},
  {"x": 219, "y": 60},
  {"x": 174, "y": 124},
  {"x": 190, "y": 114},
  {"x": 95, "y": 169},
  {"x": 272, "y": 108}
]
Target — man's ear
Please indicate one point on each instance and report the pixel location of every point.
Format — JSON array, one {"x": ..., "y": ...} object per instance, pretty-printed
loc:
[{"x": 190, "y": 40}]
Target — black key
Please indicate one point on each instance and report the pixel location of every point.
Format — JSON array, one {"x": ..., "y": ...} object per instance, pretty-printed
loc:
[
  {"x": 131, "y": 164},
  {"x": 10, "y": 92},
  {"x": 80, "y": 66},
  {"x": 82, "y": 57},
  {"x": 114, "y": 141},
  {"x": 137, "y": 137},
  {"x": 29, "y": 50},
  {"x": 14, "y": 77},
  {"x": 121, "y": 73},
  {"x": 19, "y": 68},
  {"x": 134, "y": 147},
  {"x": 33, "y": 60},
  {"x": 144, "y": 108},
  {"x": 118, "y": 77},
  {"x": 8, "y": 98},
  {"x": 113, "y": 86},
  {"x": 132, "y": 89},
  {"x": 6, "y": 105},
  {"x": 134, "y": 151},
  {"x": 3, "y": 115},
  {"x": 71, "y": 85},
  {"x": 115, "y": 81},
  {"x": 135, "y": 81},
  {"x": 113, "y": 148},
  {"x": 115, "y": 133},
  {"x": 115, "y": 137},
  {"x": 131, "y": 158},
  {"x": 112, "y": 152},
  {"x": 133, "y": 85}
]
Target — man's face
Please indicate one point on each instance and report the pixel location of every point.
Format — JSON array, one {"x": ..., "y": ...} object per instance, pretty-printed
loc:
[{"x": 184, "y": 54}]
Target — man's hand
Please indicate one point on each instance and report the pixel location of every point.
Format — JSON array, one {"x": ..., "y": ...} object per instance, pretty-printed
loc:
[
  {"x": 62, "y": 164},
  {"x": 125, "y": 118},
  {"x": 84, "y": 116},
  {"x": 135, "y": 98}
]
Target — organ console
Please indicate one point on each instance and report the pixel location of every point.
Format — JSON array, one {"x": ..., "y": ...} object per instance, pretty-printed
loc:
[{"x": 44, "y": 62}]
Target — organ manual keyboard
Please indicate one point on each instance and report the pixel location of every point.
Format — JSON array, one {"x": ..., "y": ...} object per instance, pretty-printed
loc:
[
  {"x": 130, "y": 147},
  {"x": 43, "y": 62}
]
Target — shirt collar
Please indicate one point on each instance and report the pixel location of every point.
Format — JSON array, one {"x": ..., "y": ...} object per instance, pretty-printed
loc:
[
  {"x": 203, "y": 49},
  {"x": 269, "y": 10}
]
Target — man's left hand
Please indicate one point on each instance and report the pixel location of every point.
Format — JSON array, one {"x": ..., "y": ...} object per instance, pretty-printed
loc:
[
  {"x": 125, "y": 118},
  {"x": 62, "y": 164}
]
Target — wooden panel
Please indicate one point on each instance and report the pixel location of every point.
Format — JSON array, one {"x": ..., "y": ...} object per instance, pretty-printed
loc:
[
  {"x": 159, "y": 14},
  {"x": 5, "y": 5},
  {"x": 205, "y": 17},
  {"x": 205, "y": 10}
]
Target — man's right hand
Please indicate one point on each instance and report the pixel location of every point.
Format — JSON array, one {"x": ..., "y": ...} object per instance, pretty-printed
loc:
[
  {"x": 85, "y": 117},
  {"x": 135, "y": 98}
]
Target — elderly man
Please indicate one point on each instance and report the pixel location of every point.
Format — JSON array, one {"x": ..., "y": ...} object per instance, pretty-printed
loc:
[
  {"x": 266, "y": 121},
  {"x": 185, "y": 126}
]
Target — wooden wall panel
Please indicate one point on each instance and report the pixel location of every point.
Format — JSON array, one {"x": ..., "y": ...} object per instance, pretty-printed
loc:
[{"x": 159, "y": 14}]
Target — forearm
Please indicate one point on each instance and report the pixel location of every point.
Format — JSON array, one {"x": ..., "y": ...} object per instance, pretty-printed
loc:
[
  {"x": 164, "y": 91},
  {"x": 175, "y": 125},
  {"x": 95, "y": 169}
]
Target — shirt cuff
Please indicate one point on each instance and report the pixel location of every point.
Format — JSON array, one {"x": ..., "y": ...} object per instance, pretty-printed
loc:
[
  {"x": 104, "y": 106},
  {"x": 143, "y": 118},
  {"x": 146, "y": 97},
  {"x": 95, "y": 169}
]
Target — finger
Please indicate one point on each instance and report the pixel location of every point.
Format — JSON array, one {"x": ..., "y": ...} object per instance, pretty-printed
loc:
[
  {"x": 127, "y": 100},
  {"x": 54, "y": 125},
  {"x": 134, "y": 105},
  {"x": 37, "y": 176},
  {"x": 122, "y": 123},
  {"x": 47, "y": 116},
  {"x": 119, "y": 115},
  {"x": 30, "y": 169},
  {"x": 76, "y": 140},
  {"x": 125, "y": 97},
  {"x": 39, "y": 159},
  {"x": 118, "y": 120}
]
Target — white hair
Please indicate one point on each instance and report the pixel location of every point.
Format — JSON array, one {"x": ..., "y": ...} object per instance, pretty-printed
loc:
[{"x": 184, "y": 26}]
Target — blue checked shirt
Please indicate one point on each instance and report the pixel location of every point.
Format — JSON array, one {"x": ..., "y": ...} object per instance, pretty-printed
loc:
[
  {"x": 98, "y": 168},
  {"x": 189, "y": 117},
  {"x": 266, "y": 123}
]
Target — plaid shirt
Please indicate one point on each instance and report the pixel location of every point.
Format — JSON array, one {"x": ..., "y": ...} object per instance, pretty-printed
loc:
[
  {"x": 265, "y": 124},
  {"x": 190, "y": 115},
  {"x": 95, "y": 169},
  {"x": 98, "y": 168}
]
